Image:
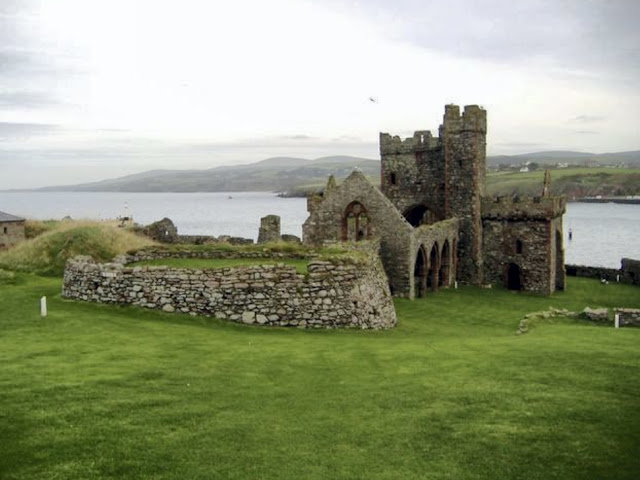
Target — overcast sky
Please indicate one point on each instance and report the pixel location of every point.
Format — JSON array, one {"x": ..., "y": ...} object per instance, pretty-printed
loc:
[{"x": 95, "y": 89}]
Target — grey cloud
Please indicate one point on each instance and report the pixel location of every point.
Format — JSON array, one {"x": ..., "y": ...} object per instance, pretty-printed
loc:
[
  {"x": 575, "y": 34},
  {"x": 15, "y": 131},
  {"x": 586, "y": 119},
  {"x": 15, "y": 7},
  {"x": 15, "y": 61},
  {"x": 26, "y": 99},
  {"x": 297, "y": 137}
]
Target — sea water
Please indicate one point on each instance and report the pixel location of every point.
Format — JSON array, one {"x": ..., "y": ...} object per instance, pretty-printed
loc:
[{"x": 602, "y": 233}]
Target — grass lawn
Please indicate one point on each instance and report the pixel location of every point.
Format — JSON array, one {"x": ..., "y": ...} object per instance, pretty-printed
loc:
[
  {"x": 201, "y": 263},
  {"x": 96, "y": 391}
]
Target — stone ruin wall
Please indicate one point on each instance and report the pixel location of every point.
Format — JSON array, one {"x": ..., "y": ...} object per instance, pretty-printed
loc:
[
  {"x": 628, "y": 273},
  {"x": 535, "y": 222},
  {"x": 331, "y": 295},
  {"x": 14, "y": 233},
  {"x": 628, "y": 317}
]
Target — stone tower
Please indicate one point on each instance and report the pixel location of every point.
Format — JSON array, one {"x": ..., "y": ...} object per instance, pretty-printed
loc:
[{"x": 431, "y": 179}]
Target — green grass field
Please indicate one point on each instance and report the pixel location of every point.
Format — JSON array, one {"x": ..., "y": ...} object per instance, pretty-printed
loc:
[
  {"x": 104, "y": 392},
  {"x": 201, "y": 263},
  {"x": 572, "y": 182}
]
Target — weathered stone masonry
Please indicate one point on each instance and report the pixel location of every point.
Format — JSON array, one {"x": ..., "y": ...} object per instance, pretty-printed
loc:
[
  {"x": 435, "y": 224},
  {"x": 332, "y": 294}
]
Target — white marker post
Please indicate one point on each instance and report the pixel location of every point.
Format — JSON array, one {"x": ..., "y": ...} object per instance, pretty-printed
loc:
[
  {"x": 616, "y": 320},
  {"x": 455, "y": 284},
  {"x": 43, "y": 307}
]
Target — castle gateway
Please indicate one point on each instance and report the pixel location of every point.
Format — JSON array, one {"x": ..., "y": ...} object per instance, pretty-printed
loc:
[{"x": 435, "y": 223}]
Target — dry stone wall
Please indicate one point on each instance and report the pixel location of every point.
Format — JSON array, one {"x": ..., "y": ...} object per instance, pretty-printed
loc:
[
  {"x": 332, "y": 294},
  {"x": 628, "y": 317},
  {"x": 628, "y": 273}
]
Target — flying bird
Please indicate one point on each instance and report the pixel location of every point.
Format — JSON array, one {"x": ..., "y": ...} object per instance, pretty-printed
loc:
[{"x": 373, "y": 100}]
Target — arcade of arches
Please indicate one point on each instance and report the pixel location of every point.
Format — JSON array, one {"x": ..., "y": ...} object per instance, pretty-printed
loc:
[{"x": 433, "y": 270}]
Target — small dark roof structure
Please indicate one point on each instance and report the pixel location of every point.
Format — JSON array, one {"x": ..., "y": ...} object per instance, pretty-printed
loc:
[{"x": 5, "y": 217}]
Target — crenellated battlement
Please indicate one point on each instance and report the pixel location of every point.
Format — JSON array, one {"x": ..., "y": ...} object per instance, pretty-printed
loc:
[
  {"x": 473, "y": 119},
  {"x": 522, "y": 208},
  {"x": 421, "y": 140}
]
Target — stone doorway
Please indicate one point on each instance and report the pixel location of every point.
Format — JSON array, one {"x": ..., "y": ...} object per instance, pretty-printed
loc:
[{"x": 513, "y": 276}]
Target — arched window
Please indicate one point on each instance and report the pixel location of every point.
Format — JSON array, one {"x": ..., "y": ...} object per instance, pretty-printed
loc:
[
  {"x": 518, "y": 246},
  {"x": 355, "y": 223}
]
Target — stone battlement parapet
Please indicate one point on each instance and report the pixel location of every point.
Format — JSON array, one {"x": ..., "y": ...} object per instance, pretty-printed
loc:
[
  {"x": 421, "y": 140},
  {"x": 516, "y": 208}
]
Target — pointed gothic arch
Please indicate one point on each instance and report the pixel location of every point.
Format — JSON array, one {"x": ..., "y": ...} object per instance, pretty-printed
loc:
[
  {"x": 355, "y": 223},
  {"x": 444, "y": 274},
  {"x": 420, "y": 273},
  {"x": 434, "y": 268}
]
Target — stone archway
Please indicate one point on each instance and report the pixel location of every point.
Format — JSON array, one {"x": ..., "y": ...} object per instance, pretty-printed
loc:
[
  {"x": 434, "y": 268},
  {"x": 421, "y": 215},
  {"x": 420, "y": 273},
  {"x": 513, "y": 277},
  {"x": 444, "y": 274},
  {"x": 355, "y": 223}
]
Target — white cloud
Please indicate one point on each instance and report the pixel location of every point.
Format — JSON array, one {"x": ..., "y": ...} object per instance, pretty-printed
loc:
[{"x": 158, "y": 77}]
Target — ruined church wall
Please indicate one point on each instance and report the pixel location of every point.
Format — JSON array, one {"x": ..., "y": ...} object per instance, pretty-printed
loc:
[
  {"x": 330, "y": 295},
  {"x": 325, "y": 224}
]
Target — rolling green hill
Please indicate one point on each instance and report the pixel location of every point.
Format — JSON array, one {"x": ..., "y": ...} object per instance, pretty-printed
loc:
[
  {"x": 572, "y": 182},
  {"x": 279, "y": 174},
  {"x": 299, "y": 176}
]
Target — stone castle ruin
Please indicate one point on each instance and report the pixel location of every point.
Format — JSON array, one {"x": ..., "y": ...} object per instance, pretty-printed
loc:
[
  {"x": 435, "y": 223},
  {"x": 429, "y": 226}
]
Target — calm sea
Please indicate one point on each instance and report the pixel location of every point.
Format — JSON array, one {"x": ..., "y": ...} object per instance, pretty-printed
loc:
[{"x": 603, "y": 233}]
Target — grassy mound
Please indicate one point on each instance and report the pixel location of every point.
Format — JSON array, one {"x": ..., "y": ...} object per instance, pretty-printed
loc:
[{"x": 48, "y": 252}]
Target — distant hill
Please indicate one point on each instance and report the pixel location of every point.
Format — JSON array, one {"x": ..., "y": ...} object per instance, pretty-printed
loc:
[
  {"x": 279, "y": 174},
  {"x": 301, "y": 175},
  {"x": 631, "y": 159}
]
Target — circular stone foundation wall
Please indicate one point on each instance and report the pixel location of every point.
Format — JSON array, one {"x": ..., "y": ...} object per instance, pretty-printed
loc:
[{"x": 332, "y": 294}]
